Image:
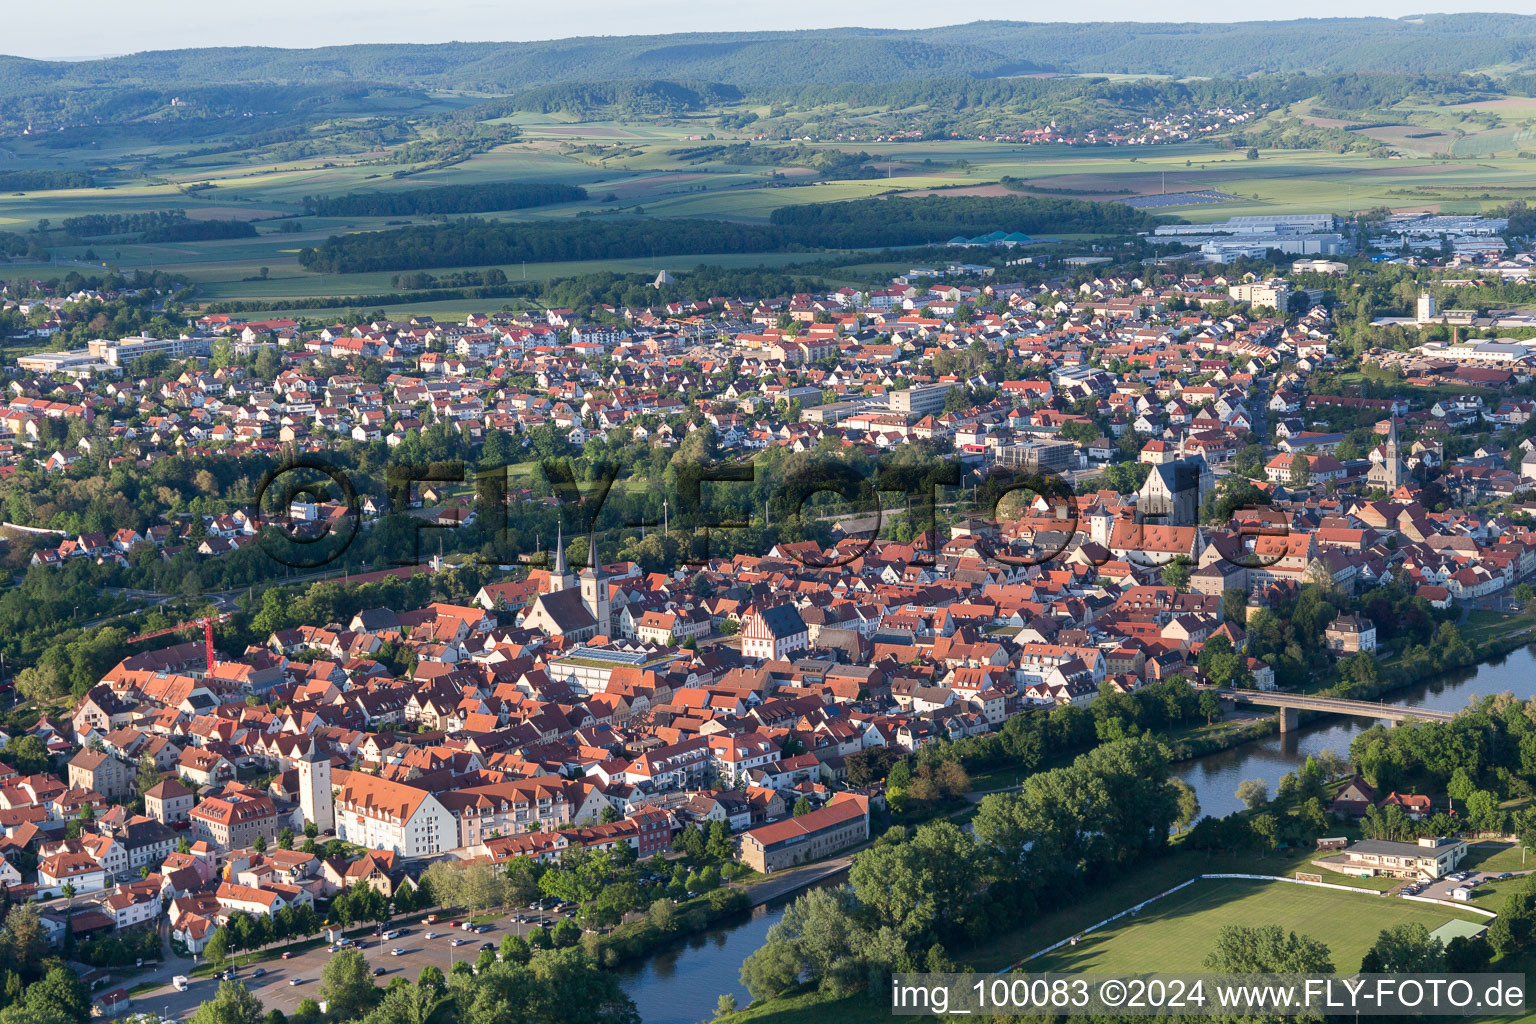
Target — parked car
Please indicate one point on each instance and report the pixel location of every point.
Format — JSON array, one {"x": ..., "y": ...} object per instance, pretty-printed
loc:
[
  {"x": 458, "y": 942},
  {"x": 377, "y": 971},
  {"x": 431, "y": 935},
  {"x": 295, "y": 981},
  {"x": 487, "y": 945},
  {"x": 397, "y": 951},
  {"x": 258, "y": 972}
]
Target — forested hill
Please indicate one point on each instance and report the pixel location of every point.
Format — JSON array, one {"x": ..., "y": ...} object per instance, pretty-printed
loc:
[{"x": 1429, "y": 44}]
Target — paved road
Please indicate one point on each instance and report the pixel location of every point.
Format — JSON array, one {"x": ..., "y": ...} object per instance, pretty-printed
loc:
[
  {"x": 788, "y": 881},
  {"x": 275, "y": 992},
  {"x": 1441, "y": 889}
]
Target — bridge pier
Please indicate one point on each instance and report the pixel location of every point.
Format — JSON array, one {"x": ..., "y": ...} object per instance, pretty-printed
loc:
[{"x": 1289, "y": 720}]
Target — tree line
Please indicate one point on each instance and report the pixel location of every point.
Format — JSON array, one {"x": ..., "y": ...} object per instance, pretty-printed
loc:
[
  {"x": 156, "y": 226},
  {"x": 633, "y": 97},
  {"x": 501, "y": 195},
  {"x": 43, "y": 180},
  {"x": 913, "y": 897},
  {"x": 864, "y": 223},
  {"x": 551, "y": 986}
]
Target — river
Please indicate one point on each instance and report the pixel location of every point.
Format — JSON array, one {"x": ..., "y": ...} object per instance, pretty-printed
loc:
[
  {"x": 1215, "y": 777},
  {"x": 682, "y": 984}
]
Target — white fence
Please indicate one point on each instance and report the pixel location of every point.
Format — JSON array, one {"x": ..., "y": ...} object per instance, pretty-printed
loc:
[{"x": 1253, "y": 878}]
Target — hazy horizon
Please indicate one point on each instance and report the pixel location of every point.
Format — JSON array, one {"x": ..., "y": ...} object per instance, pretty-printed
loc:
[{"x": 106, "y": 29}]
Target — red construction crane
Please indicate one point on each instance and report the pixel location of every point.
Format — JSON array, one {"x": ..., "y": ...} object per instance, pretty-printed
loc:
[{"x": 206, "y": 623}]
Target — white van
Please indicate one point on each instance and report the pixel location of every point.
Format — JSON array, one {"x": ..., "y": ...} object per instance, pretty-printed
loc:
[{"x": 179, "y": 983}]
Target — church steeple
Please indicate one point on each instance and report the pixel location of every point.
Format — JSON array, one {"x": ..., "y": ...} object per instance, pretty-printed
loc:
[
  {"x": 594, "y": 569},
  {"x": 594, "y": 587},
  {"x": 560, "y": 578},
  {"x": 1390, "y": 473}
]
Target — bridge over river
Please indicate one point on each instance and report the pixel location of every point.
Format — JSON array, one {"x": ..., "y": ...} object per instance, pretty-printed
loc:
[{"x": 1289, "y": 704}]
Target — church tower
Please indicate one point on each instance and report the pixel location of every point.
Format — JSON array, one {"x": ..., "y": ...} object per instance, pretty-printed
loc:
[
  {"x": 560, "y": 578},
  {"x": 1390, "y": 473},
  {"x": 594, "y": 588},
  {"x": 315, "y": 798}
]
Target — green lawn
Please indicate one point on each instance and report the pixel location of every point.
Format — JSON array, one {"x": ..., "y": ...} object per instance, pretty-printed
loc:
[
  {"x": 1158, "y": 875},
  {"x": 1495, "y": 857},
  {"x": 1176, "y": 933},
  {"x": 816, "y": 1008},
  {"x": 1483, "y": 625}
]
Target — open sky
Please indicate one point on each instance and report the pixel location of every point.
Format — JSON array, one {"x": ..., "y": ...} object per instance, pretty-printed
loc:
[{"x": 96, "y": 28}]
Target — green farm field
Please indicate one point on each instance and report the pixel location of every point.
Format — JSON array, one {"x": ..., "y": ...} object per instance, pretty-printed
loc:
[
  {"x": 1176, "y": 932},
  {"x": 635, "y": 167}
]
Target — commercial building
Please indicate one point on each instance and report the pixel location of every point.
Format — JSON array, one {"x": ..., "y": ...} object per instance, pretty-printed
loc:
[
  {"x": 75, "y": 362},
  {"x": 1263, "y": 224},
  {"x": 381, "y": 815},
  {"x": 588, "y": 669},
  {"x": 106, "y": 356},
  {"x": 1299, "y": 234},
  {"x": 1428, "y": 858},
  {"x": 840, "y": 824},
  {"x": 233, "y": 822},
  {"x": 126, "y": 350},
  {"x": 773, "y": 633},
  {"x": 1274, "y": 293},
  {"x": 1037, "y": 456},
  {"x": 920, "y": 400},
  {"x": 543, "y": 804}
]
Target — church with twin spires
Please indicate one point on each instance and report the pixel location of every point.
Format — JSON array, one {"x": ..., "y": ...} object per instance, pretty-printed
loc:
[{"x": 572, "y": 607}]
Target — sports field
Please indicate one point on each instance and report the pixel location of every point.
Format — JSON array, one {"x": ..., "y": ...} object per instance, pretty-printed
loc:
[{"x": 1176, "y": 933}]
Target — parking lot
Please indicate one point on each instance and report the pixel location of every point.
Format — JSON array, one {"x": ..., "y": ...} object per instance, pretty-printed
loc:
[
  {"x": 1440, "y": 889},
  {"x": 274, "y": 990}
]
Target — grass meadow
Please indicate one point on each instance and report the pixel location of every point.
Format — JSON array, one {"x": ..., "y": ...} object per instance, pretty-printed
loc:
[{"x": 635, "y": 167}]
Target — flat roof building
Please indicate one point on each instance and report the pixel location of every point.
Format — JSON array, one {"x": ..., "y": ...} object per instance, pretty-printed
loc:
[{"x": 920, "y": 400}]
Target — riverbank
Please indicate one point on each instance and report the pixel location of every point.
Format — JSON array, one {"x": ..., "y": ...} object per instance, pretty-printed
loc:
[
  {"x": 1185, "y": 744},
  {"x": 786, "y": 882},
  {"x": 998, "y": 952},
  {"x": 1506, "y": 663}
]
